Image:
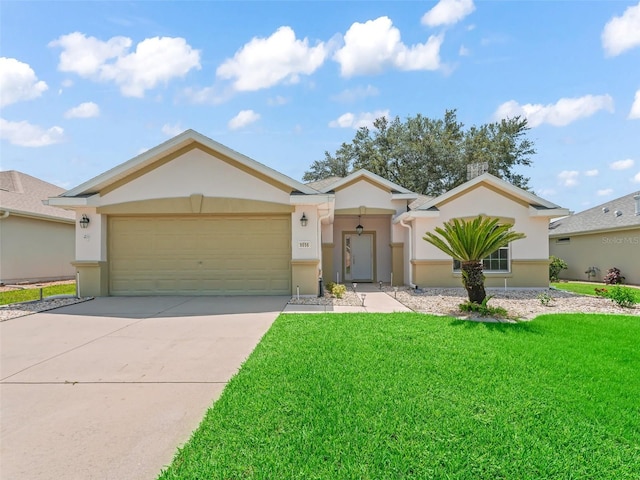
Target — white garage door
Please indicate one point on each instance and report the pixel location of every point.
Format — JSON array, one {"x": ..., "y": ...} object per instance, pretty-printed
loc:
[{"x": 247, "y": 255}]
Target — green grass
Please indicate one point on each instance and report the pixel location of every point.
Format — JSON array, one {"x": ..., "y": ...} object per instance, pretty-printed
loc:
[
  {"x": 15, "y": 296},
  {"x": 589, "y": 288},
  {"x": 399, "y": 396}
]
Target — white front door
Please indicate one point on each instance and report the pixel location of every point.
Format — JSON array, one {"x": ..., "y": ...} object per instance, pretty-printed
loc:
[{"x": 358, "y": 257}]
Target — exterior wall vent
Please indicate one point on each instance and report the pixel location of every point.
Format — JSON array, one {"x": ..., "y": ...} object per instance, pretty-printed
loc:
[{"x": 618, "y": 213}]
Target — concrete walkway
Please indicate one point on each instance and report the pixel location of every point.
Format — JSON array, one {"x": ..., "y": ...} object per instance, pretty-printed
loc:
[{"x": 375, "y": 301}]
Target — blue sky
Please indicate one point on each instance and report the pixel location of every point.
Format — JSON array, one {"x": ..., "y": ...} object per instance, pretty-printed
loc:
[{"x": 85, "y": 86}]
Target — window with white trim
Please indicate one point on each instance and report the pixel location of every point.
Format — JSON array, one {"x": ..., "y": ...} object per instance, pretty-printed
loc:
[{"x": 498, "y": 261}]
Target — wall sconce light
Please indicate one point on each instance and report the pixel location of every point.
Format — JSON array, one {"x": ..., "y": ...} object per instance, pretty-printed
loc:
[
  {"x": 84, "y": 221},
  {"x": 359, "y": 228},
  {"x": 304, "y": 220}
]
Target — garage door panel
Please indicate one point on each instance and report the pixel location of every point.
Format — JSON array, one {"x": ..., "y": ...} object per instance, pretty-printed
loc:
[{"x": 200, "y": 255}]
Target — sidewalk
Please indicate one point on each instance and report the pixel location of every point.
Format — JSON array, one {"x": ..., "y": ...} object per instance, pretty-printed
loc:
[{"x": 375, "y": 301}]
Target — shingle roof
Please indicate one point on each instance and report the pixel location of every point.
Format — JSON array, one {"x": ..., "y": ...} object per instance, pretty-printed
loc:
[
  {"x": 602, "y": 217},
  {"x": 322, "y": 185},
  {"x": 23, "y": 194}
]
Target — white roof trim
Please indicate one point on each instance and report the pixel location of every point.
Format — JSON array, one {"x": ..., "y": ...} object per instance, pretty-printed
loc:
[
  {"x": 550, "y": 212},
  {"x": 404, "y": 196},
  {"x": 175, "y": 143},
  {"x": 72, "y": 202},
  {"x": 373, "y": 177},
  {"x": 413, "y": 214},
  {"x": 496, "y": 182}
]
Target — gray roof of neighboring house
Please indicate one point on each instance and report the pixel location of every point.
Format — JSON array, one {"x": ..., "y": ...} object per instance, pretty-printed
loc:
[
  {"x": 602, "y": 217},
  {"x": 23, "y": 194}
]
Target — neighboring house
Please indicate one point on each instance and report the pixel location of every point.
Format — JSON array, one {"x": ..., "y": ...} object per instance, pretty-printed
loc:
[
  {"x": 192, "y": 216},
  {"x": 36, "y": 240},
  {"x": 598, "y": 239}
]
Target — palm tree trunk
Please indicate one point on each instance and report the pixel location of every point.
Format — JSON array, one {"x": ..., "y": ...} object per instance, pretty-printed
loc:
[{"x": 473, "y": 281}]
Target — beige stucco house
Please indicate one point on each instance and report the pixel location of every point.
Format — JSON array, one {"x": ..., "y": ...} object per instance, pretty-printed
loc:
[
  {"x": 192, "y": 216},
  {"x": 36, "y": 240},
  {"x": 598, "y": 239}
]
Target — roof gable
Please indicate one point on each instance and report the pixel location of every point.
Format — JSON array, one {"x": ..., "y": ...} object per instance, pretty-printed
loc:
[
  {"x": 496, "y": 184},
  {"x": 173, "y": 148},
  {"x": 362, "y": 175}
]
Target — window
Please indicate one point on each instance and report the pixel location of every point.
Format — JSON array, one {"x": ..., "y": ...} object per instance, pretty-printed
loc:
[
  {"x": 498, "y": 261},
  {"x": 563, "y": 240}
]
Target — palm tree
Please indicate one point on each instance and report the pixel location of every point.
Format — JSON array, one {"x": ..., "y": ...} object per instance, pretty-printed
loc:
[{"x": 469, "y": 241}]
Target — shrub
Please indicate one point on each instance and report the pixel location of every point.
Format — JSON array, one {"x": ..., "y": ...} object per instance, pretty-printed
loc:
[
  {"x": 483, "y": 309},
  {"x": 556, "y": 265},
  {"x": 613, "y": 277},
  {"x": 338, "y": 290},
  {"x": 623, "y": 296},
  {"x": 329, "y": 286},
  {"x": 602, "y": 292},
  {"x": 545, "y": 298}
]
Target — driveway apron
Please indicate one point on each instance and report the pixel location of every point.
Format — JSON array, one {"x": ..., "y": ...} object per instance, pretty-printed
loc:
[{"x": 108, "y": 389}]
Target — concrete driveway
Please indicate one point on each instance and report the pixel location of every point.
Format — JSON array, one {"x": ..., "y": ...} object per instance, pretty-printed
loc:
[{"x": 108, "y": 389}]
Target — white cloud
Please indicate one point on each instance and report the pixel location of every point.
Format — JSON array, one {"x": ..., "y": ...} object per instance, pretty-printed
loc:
[
  {"x": 84, "y": 110},
  {"x": 636, "y": 178},
  {"x": 448, "y": 12},
  {"x": 277, "y": 101},
  {"x": 568, "y": 178},
  {"x": 622, "y": 33},
  {"x": 265, "y": 62},
  {"x": 371, "y": 47},
  {"x": 243, "y": 118},
  {"x": 591, "y": 173},
  {"x": 25, "y": 134},
  {"x": 622, "y": 164},
  {"x": 635, "y": 108},
  {"x": 172, "y": 130},
  {"x": 155, "y": 60},
  {"x": 561, "y": 113},
  {"x": 604, "y": 192},
  {"x": 208, "y": 95},
  {"x": 356, "y": 121},
  {"x": 464, "y": 51},
  {"x": 18, "y": 82},
  {"x": 355, "y": 94}
]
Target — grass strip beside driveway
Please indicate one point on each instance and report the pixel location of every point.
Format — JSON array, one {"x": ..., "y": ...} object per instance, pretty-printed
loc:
[
  {"x": 28, "y": 294},
  {"x": 372, "y": 396}
]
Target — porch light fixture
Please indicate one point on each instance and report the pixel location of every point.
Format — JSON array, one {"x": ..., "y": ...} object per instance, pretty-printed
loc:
[
  {"x": 359, "y": 228},
  {"x": 84, "y": 221},
  {"x": 304, "y": 220}
]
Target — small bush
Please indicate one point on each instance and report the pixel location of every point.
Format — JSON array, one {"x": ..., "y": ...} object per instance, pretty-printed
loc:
[
  {"x": 601, "y": 292},
  {"x": 613, "y": 277},
  {"x": 329, "y": 286},
  {"x": 338, "y": 290},
  {"x": 556, "y": 265},
  {"x": 623, "y": 296},
  {"x": 545, "y": 298},
  {"x": 483, "y": 309}
]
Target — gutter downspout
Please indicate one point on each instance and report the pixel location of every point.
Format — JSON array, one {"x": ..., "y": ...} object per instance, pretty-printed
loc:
[
  {"x": 4, "y": 215},
  {"x": 320, "y": 218},
  {"x": 411, "y": 284}
]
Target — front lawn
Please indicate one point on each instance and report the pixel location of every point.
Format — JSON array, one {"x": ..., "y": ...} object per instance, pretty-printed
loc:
[
  {"x": 27, "y": 294},
  {"x": 374, "y": 396},
  {"x": 590, "y": 288}
]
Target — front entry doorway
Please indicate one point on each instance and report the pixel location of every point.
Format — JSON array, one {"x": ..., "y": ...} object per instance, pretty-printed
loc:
[{"x": 358, "y": 257}]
